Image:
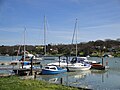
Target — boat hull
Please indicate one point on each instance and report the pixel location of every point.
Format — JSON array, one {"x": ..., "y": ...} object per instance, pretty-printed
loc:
[
  {"x": 98, "y": 67},
  {"x": 61, "y": 64},
  {"x": 51, "y": 72},
  {"x": 76, "y": 68}
]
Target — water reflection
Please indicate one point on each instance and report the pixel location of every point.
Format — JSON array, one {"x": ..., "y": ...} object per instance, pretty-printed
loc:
[
  {"x": 86, "y": 79},
  {"x": 68, "y": 78},
  {"x": 76, "y": 79}
]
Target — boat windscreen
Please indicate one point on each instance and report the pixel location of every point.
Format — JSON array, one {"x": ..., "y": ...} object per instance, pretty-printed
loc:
[{"x": 46, "y": 67}]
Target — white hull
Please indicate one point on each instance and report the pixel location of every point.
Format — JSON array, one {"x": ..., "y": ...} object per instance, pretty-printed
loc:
[
  {"x": 76, "y": 67},
  {"x": 26, "y": 67},
  {"x": 60, "y": 64}
]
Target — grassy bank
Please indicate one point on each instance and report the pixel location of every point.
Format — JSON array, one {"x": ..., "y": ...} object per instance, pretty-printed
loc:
[{"x": 14, "y": 83}]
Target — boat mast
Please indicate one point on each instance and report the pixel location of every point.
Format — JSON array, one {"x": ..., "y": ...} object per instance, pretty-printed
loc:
[
  {"x": 18, "y": 52},
  {"x": 76, "y": 37},
  {"x": 24, "y": 42},
  {"x": 44, "y": 35},
  {"x": 75, "y": 34}
]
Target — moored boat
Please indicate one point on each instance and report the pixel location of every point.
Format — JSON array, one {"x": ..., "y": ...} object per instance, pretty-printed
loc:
[
  {"x": 83, "y": 59},
  {"x": 52, "y": 69},
  {"x": 77, "y": 63},
  {"x": 79, "y": 66},
  {"x": 98, "y": 66}
]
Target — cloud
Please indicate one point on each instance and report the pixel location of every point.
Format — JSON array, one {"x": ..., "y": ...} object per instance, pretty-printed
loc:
[
  {"x": 35, "y": 36},
  {"x": 112, "y": 26},
  {"x": 107, "y": 31}
]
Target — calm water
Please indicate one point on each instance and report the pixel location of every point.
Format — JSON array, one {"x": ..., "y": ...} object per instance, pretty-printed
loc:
[
  {"x": 9, "y": 58},
  {"x": 93, "y": 79}
]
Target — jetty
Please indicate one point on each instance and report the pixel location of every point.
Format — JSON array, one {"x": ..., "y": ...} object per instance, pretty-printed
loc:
[
  {"x": 21, "y": 71},
  {"x": 27, "y": 72},
  {"x": 30, "y": 70}
]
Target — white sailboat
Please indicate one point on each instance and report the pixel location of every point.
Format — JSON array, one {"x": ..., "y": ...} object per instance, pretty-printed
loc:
[
  {"x": 25, "y": 60},
  {"x": 78, "y": 65},
  {"x": 15, "y": 62},
  {"x": 27, "y": 56},
  {"x": 45, "y": 56}
]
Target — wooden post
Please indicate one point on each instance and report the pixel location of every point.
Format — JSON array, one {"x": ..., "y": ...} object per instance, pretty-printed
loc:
[
  {"x": 106, "y": 62},
  {"x": 35, "y": 75},
  {"x": 17, "y": 72},
  {"x": 59, "y": 61},
  {"x": 102, "y": 61},
  {"x": 31, "y": 71},
  {"x": 67, "y": 63},
  {"x": 61, "y": 80},
  {"x": 22, "y": 64}
]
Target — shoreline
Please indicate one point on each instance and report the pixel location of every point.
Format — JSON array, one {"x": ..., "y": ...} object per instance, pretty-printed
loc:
[{"x": 37, "y": 84}]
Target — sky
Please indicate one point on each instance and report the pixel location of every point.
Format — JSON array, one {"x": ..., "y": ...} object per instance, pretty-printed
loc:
[{"x": 97, "y": 20}]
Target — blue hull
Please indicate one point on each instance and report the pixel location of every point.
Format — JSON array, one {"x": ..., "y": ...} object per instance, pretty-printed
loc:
[{"x": 49, "y": 72}]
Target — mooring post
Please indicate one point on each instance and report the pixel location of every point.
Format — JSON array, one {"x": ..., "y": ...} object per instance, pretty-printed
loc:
[
  {"x": 102, "y": 61},
  {"x": 31, "y": 71},
  {"x": 22, "y": 64},
  {"x": 17, "y": 72},
  {"x": 106, "y": 62},
  {"x": 13, "y": 66},
  {"x": 35, "y": 75},
  {"x": 67, "y": 63},
  {"x": 59, "y": 61},
  {"x": 61, "y": 80}
]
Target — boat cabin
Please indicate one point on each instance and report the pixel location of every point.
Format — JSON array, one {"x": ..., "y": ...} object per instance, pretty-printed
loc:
[
  {"x": 51, "y": 67},
  {"x": 78, "y": 59}
]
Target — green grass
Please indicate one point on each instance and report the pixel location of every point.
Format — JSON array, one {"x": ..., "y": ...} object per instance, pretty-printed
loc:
[{"x": 14, "y": 83}]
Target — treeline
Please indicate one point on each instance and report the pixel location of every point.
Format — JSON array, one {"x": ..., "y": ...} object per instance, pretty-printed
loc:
[{"x": 91, "y": 48}]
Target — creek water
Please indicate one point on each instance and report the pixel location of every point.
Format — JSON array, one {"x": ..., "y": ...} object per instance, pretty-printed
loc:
[{"x": 108, "y": 79}]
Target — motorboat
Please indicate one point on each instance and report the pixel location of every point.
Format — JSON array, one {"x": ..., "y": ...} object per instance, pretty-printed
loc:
[{"x": 52, "y": 69}]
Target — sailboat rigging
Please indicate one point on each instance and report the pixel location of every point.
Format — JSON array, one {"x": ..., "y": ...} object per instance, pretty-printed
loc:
[
  {"x": 44, "y": 36},
  {"x": 75, "y": 34},
  {"x": 24, "y": 42},
  {"x": 77, "y": 62}
]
